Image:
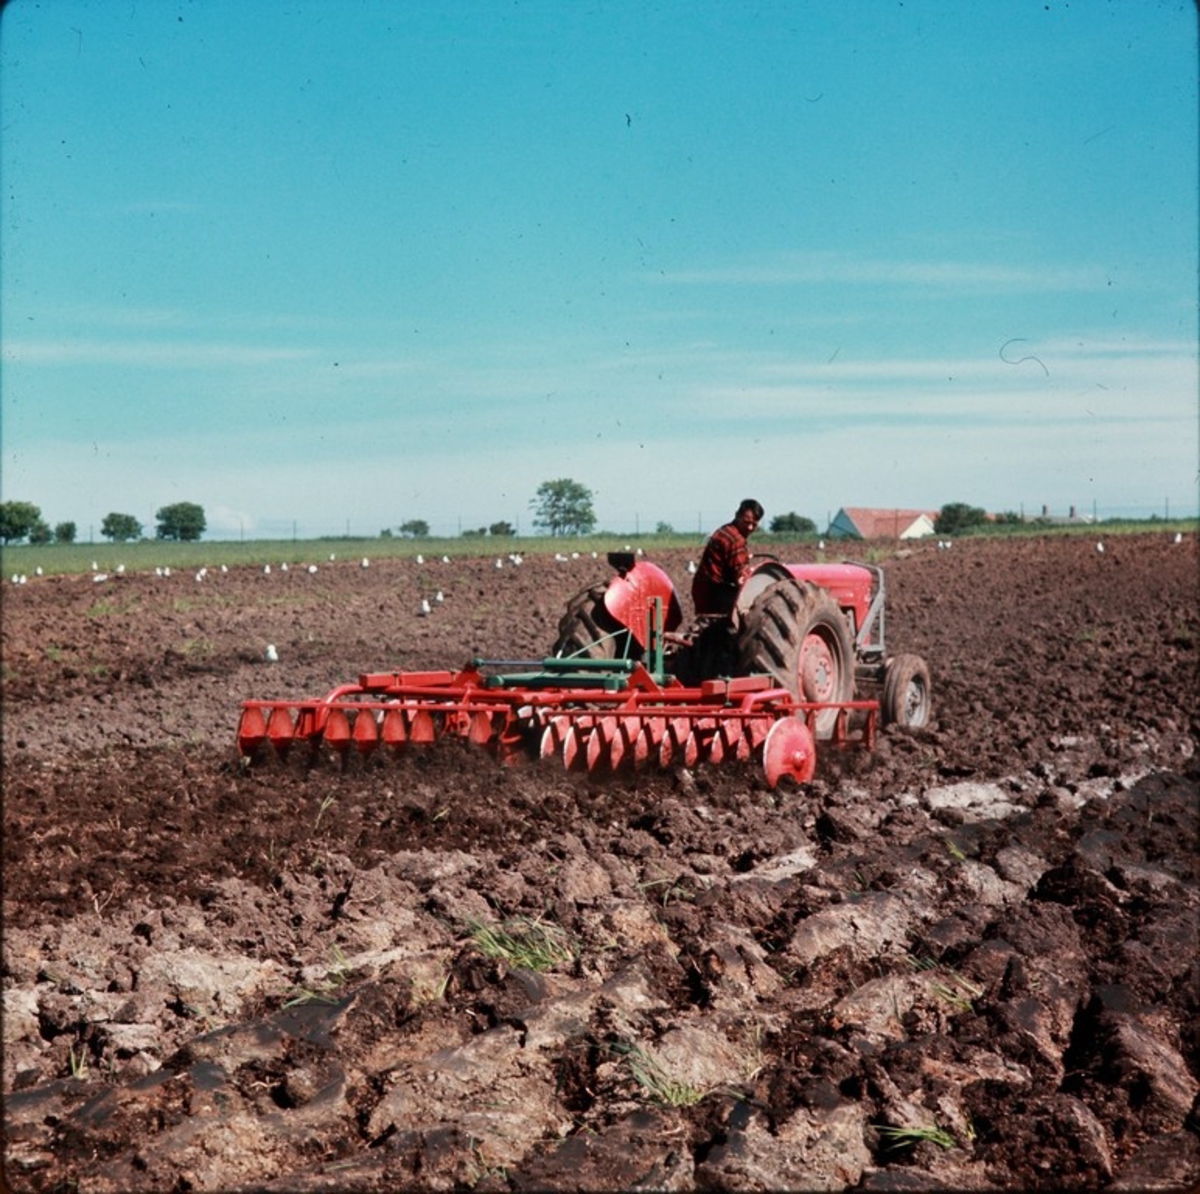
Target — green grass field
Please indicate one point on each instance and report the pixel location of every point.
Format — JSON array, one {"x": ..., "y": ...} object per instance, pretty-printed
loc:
[{"x": 147, "y": 554}]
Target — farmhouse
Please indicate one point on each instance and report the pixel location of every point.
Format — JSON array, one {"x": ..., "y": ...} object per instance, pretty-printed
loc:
[{"x": 861, "y": 522}]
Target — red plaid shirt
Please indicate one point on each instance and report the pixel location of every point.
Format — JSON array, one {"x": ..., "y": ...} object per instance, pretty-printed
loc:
[{"x": 718, "y": 577}]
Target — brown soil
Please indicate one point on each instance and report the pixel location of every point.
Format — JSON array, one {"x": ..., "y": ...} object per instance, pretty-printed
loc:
[{"x": 267, "y": 979}]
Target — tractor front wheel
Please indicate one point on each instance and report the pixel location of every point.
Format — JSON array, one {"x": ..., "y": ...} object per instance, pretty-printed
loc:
[
  {"x": 588, "y": 631},
  {"x": 797, "y": 634},
  {"x": 906, "y": 699}
]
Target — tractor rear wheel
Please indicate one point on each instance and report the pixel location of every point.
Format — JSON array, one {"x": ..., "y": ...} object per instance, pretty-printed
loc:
[
  {"x": 906, "y": 700},
  {"x": 588, "y": 631},
  {"x": 796, "y": 633}
]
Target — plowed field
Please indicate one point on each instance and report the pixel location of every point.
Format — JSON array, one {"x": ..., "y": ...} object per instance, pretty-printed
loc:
[{"x": 967, "y": 959}]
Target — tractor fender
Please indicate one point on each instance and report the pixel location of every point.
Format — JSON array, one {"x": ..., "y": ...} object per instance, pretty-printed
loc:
[
  {"x": 629, "y": 595},
  {"x": 760, "y": 579}
]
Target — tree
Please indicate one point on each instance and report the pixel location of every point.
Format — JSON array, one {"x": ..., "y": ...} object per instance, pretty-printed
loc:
[
  {"x": 40, "y": 533},
  {"x": 17, "y": 519},
  {"x": 956, "y": 517},
  {"x": 183, "y": 521},
  {"x": 563, "y": 507},
  {"x": 664, "y": 528},
  {"x": 64, "y": 532},
  {"x": 415, "y": 528},
  {"x": 120, "y": 527},
  {"x": 501, "y": 528},
  {"x": 792, "y": 523}
]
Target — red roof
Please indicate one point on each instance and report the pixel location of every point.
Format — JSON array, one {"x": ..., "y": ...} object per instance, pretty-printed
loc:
[{"x": 884, "y": 524}]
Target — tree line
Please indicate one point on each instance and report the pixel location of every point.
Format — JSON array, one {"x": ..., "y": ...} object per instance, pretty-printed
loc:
[
  {"x": 560, "y": 507},
  {"x": 181, "y": 521}
]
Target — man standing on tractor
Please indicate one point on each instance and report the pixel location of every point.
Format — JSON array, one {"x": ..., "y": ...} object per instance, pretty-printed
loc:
[{"x": 725, "y": 562}]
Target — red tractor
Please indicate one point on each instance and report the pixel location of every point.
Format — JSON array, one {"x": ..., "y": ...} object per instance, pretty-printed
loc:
[
  {"x": 625, "y": 689},
  {"x": 816, "y": 629}
]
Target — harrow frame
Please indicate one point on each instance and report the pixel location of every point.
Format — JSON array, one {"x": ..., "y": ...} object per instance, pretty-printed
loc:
[{"x": 598, "y": 715}]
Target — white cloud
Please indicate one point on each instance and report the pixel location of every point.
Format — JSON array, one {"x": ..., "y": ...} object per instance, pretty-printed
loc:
[
  {"x": 832, "y": 269},
  {"x": 147, "y": 354}
]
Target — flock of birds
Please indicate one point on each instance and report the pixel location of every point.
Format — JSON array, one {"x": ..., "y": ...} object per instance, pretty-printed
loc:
[
  {"x": 512, "y": 560},
  {"x": 427, "y": 606}
]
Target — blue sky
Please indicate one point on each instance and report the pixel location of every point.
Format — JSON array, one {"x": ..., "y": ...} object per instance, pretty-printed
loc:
[{"x": 336, "y": 266}]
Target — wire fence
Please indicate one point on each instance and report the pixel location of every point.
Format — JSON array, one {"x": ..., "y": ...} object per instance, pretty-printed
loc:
[{"x": 633, "y": 523}]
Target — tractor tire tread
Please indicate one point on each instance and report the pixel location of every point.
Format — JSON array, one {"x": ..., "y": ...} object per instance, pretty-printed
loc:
[
  {"x": 776, "y": 625},
  {"x": 587, "y": 629}
]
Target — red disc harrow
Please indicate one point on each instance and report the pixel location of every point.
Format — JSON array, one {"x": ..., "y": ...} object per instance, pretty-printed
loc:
[{"x": 598, "y": 716}]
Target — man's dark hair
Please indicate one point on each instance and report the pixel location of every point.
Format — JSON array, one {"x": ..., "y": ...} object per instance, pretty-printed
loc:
[{"x": 751, "y": 504}]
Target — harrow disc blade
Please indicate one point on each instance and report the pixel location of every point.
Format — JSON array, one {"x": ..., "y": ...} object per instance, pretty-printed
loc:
[
  {"x": 716, "y": 748},
  {"x": 480, "y": 731},
  {"x": 553, "y": 736},
  {"x": 573, "y": 752},
  {"x": 618, "y": 748},
  {"x": 599, "y": 742},
  {"x": 422, "y": 727},
  {"x": 734, "y": 742},
  {"x": 252, "y": 730},
  {"x": 703, "y": 742},
  {"x": 674, "y": 740},
  {"x": 366, "y": 731},
  {"x": 280, "y": 730},
  {"x": 395, "y": 732},
  {"x": 623, "y": 750},
  {"x": 308, "y": 725},
  {"x": 649, "y": 740},
  {"x": 337, "y": 730},
  {"x": 790, "y": 749},
  {"x": 757, "y": 729}
]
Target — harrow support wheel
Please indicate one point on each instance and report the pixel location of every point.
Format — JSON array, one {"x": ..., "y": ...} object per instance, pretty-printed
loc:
[{"x": 790, "y": 749}]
